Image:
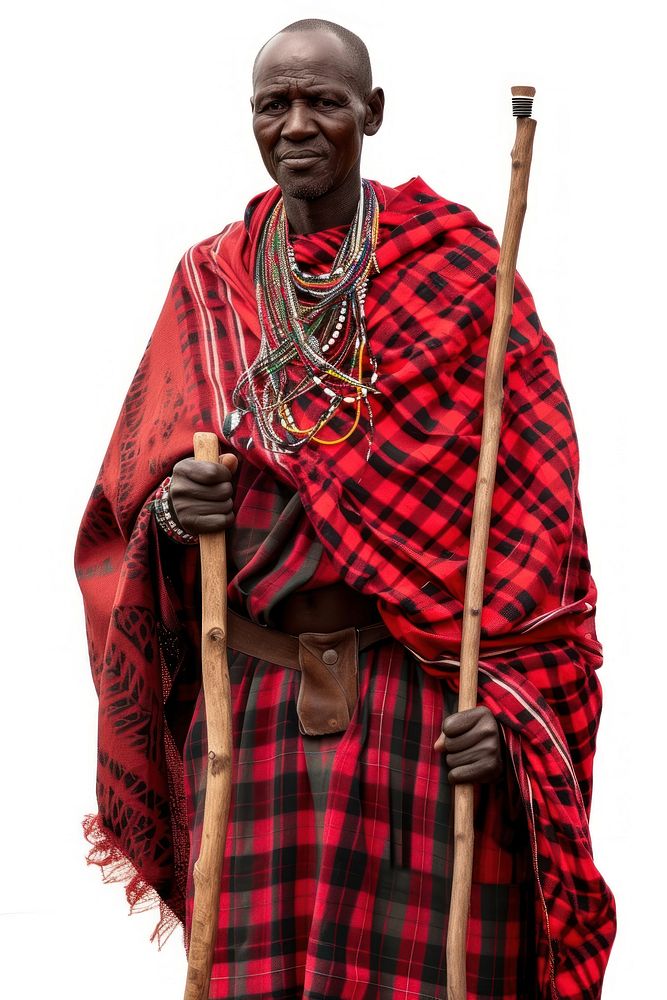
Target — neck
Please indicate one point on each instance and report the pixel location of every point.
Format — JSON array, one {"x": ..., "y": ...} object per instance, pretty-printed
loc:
[{"x": 336, "y": 208}]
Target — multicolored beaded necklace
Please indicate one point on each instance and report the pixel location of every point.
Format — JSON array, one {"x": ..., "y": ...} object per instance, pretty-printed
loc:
[{"x": 313, "y": 329}]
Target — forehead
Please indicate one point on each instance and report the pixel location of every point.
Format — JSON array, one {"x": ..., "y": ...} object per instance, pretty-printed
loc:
[{"x": 311, "y": 56}]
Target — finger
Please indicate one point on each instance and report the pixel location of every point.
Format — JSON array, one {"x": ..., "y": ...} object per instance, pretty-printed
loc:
[
  {"x": 460, "y": 722},
  {"x": 474, "y": 717},
  {"x": 198, "y": 518},
  {"x": 484, "y": 729},
  {"x": 471, "y": 756},
  {"x": 204, "y": 509},
  {"x": 202, "y": 472},
  {"x": 184, "y": 490},
  {"x": 230, "y": 461},
  {"x": 480, "y": 772}
]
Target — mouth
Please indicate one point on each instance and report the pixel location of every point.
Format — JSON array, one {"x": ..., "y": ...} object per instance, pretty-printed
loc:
[{"x": 300, "y": 159}]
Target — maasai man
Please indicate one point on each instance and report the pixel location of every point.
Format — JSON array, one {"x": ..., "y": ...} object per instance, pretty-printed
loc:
[{"x": 335, "y": 341}]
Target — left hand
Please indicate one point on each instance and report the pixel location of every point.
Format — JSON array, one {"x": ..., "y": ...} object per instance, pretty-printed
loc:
[{"x": 471, "y": 740}]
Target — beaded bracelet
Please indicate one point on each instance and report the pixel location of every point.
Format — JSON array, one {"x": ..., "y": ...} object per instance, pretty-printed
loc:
[{"x": 166, "y": 517}]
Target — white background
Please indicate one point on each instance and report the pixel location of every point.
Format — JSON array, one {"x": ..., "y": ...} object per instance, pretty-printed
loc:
[{"x": 126, "y": 139}]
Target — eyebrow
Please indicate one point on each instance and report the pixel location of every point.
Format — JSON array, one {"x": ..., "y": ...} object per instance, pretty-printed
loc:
[{"x": 318, "y": 88}]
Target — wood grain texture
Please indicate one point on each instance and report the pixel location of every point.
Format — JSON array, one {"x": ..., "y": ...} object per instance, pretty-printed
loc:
[
  {"x": 479, "y": 537},
  {"x": 217, "y": 698}
]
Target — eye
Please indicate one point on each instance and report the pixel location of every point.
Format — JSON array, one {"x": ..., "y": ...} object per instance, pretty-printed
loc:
[
  {"x": 272, "y": 107},
  {"x": 326, "y": 103}
]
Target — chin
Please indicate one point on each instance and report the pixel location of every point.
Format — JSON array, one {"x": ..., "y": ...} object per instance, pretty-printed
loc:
[{"x": 305, "y": 190}]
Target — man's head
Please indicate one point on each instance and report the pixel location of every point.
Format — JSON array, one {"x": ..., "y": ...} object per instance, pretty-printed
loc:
[{"x": 313, "y": 102}]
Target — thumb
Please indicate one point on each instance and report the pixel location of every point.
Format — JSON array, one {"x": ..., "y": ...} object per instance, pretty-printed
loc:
[{"x": 229, "y": 460}]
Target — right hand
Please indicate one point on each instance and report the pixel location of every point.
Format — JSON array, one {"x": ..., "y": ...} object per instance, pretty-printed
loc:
[{"x": 201, "y": 494}]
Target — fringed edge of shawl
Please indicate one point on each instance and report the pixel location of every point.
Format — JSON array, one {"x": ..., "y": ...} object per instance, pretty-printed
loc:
[{"x": 117, "y": 867}]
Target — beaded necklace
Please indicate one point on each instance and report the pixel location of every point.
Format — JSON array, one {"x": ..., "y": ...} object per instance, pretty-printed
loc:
[{"x": 313, "y": 333}]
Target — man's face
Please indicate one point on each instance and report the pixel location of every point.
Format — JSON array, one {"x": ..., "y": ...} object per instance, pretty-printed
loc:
[{"x": 309, "y": 117}]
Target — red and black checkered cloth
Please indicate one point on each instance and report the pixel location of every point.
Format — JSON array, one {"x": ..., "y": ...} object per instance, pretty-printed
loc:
[
  {"x": 338, "y": 867},
  {"x": 394, "y": 526}
]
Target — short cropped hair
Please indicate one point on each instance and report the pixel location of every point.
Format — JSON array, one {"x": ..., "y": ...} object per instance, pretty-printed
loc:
[{"x": 352, "y": 42}]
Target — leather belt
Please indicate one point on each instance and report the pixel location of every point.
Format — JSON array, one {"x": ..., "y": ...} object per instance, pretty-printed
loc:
[
  {"x": 282, "y": 648},
  {"x": 328, "y": 661}
]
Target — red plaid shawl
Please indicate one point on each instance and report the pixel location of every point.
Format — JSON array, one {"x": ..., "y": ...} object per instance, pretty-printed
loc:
[{"x": 395, "y": 525}]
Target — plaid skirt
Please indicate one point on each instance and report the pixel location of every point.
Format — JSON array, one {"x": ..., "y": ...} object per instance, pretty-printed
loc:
[{"x": 338, "y": 862}]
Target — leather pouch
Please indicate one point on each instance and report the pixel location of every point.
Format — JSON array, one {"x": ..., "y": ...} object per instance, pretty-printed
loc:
[{"x": 329, "y": 685}]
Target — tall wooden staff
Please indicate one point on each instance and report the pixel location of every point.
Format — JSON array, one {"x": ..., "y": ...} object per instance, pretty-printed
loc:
[
  {"x": 522, "y": 101},
  {"x": 217, "y": 699}
]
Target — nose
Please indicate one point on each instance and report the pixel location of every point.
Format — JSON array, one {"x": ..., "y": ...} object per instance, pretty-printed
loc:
[{"x": 299, "y": 122}]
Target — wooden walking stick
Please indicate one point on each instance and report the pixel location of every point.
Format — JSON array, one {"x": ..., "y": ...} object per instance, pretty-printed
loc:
[
  {"x": 217, "y": 699},
  {"x": 522, "y": 100}
]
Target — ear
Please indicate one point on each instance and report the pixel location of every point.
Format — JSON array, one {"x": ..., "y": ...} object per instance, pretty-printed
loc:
[{"x": 374, "y": 111}]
